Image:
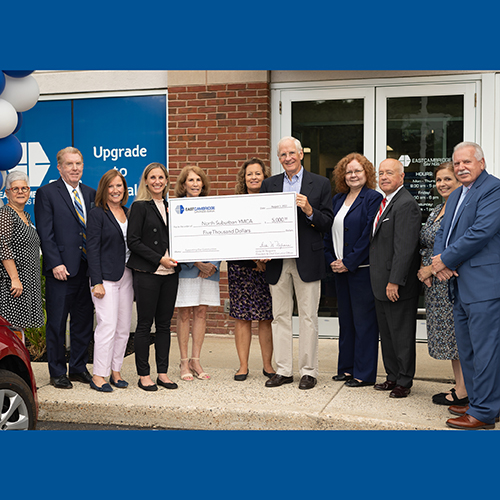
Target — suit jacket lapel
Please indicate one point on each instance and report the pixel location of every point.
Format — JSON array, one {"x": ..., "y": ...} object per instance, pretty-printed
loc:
[
  {"x": 357, "y": 201},
  {"x": 468, "y": 197},
  {"x": 307, "y": 183},
  {"x": 156, "y": 211},
  {"x": 113, "y": 220},
  {"x": 86, "y": 198},
  {"x": 387, "y": 210},
  {"x": 66, "y": 197}
]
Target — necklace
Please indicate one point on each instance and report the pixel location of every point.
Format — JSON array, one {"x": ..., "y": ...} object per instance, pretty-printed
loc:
[{"x": 14, "y": 208}]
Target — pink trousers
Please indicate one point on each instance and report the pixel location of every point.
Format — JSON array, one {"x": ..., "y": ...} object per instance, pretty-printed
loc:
[{"x": 113, "y": 314}]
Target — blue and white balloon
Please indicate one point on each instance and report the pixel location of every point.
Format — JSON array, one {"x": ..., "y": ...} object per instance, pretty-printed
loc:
[
  {"x": 18, "y": 73},
  {"x": 8, "y": 118},
  {"x": 11, "y": 152},
  {"x": 22, "y": 93}
]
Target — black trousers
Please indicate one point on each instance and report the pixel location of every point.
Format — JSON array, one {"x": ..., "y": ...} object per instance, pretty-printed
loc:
[
  {"x": 62, "y": 298},
  {"x": 155, "y": 296},
  {"x": 397, "y": 323}
]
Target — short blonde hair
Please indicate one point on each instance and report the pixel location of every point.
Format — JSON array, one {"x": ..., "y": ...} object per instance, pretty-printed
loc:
[{"x": 69, "y": 150}]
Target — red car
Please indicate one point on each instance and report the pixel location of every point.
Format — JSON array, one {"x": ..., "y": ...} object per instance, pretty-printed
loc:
[{"x": 18, "y": 396}]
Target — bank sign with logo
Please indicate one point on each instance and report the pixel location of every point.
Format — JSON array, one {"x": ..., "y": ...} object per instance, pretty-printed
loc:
[{"x": 123, "y": 133}]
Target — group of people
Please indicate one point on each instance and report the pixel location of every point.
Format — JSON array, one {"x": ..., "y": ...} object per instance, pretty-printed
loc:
[
  {"x": 374, "y": 243},
  {"x": 380, "y": 255}
]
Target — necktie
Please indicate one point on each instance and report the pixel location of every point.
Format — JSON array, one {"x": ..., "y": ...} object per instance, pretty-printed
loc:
[
  {"x": 380, "y": 210},
  {"x": 81, "y": 219}
]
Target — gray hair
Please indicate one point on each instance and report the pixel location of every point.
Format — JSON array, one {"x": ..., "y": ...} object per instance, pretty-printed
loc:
[
  {"x": 478, "y": 154},
  {"x": 298, "y": 145},
  {"x": 14, "y": 176}
]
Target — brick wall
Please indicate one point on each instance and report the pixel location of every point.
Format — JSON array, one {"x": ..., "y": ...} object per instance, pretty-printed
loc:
[{"x": 218, "y": 127}]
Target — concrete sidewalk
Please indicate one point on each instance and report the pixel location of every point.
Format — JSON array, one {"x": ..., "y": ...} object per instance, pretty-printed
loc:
[{"x": 224, "y": 404}]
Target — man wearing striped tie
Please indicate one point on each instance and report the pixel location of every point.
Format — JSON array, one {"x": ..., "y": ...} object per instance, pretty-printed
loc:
[
  {"x": 61, "y": 209},
  {"x": 394, "y": 263}
]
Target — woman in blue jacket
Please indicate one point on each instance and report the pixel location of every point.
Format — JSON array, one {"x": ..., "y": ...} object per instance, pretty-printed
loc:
[
  {"x": 110, "y": 280},
  {"x": 346, "y": 252},
  {"x": 198, "y": 286}
]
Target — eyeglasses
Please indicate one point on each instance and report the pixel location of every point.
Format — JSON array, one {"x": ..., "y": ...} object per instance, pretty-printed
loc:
[
  {"x": 356, "y": 172},
  {"x": 15, "y": 190}
]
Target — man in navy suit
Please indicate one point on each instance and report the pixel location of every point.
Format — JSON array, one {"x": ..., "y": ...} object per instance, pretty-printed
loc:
[
  {"x": 467, "y": 252},
  {"x": 61, "y": 209},
  {"x": 303, "y": 274}
]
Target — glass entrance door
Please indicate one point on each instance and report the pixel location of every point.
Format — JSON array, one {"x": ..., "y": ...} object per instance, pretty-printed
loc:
[
  {"x": 420, "y": 126},
  {"x": 417, "y": 124}
]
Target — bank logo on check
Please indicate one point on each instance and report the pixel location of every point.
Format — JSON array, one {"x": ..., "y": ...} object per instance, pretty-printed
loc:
[{"x": 179, "y": 209}]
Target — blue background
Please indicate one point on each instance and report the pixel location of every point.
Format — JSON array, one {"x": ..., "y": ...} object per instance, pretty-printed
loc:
[
  {"x": 262, "y": 35},
  {"x": 89, "y": 124}
]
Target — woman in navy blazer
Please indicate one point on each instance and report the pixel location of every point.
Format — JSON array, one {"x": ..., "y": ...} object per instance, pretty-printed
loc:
[
  {"x": 110, "y": 280},
  {"x": 346, "y": 252}
]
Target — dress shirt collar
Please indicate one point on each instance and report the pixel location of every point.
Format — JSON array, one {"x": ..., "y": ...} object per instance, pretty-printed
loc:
[{"x": 295, "y": 183}]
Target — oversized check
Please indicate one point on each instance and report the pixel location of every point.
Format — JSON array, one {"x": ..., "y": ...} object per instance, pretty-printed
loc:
[{"x": 240, "y": 227}]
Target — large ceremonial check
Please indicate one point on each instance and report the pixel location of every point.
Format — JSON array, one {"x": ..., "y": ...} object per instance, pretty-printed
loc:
[{"x": 253, "y": 226}]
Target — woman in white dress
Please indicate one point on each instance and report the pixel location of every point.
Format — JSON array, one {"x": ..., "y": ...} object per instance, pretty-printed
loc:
[{"x": 198, "y": 287}]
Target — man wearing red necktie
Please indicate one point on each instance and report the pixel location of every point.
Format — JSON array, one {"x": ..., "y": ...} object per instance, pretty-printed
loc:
[{"x": 394, "y": 263}]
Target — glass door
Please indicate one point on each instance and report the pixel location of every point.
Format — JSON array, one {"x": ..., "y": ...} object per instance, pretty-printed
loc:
[
  {"x": 417, "y": 124},
  {"x": 330, "y": 124},
  {"x": 420, "y": 126}
]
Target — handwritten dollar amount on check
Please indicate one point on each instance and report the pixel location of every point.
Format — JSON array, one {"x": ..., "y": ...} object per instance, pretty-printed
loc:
[{"x": 258, "y": 227}]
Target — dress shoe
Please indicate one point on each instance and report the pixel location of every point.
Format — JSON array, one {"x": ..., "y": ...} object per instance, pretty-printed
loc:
[
  {"x": 441, "y": 399},
  {"x": 462, "y": 410},
  {"x": 388, "y": 385},
  {"x": 167, "y": 385},
  {"x": 277, "y": 380},
  {"x": 103, "y": 388},
  {"x": 148, "y": 388},
  {"x": 307, "y": 382},
  {"x": 121, "y": 384},
  {"x": 400, "y": 392},
  {"x": 267, "y": 374},
  {"x": 241, "y": 377},
  {"x": 61, "y": 382},
  {"x": 458, "y": 410},
  {"x": 342, "y": 378},
  {"x": 357, "y": 383},
  {"x": 84, "y": 377},
  {"x": 468, "y": 422}
]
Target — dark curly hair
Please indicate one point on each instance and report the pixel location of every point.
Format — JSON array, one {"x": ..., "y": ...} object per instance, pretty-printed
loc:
[
  {"x": 338, "y": 176},
  {"x": 241, "y": 185}
]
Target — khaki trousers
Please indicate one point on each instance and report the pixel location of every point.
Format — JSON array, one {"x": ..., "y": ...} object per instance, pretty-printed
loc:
[{"x": 308, "y": 295}]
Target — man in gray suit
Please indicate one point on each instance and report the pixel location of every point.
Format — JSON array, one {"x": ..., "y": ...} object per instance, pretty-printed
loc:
[{"x": 394, "y": 263}]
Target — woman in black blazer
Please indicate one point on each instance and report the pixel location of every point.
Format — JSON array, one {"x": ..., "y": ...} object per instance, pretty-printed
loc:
[
  {"x": 346, "y": 252},
  {"x": 110, "y": 280},
  {"x": 156, "y": 275}
]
